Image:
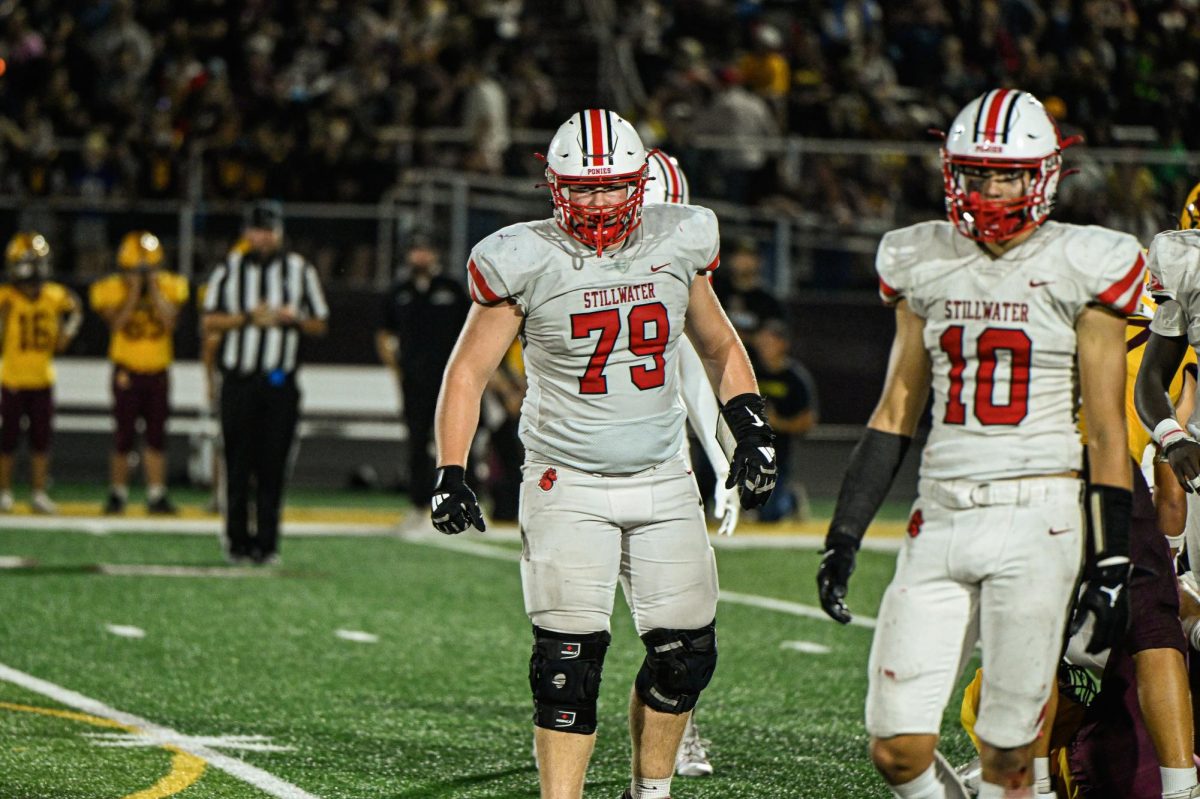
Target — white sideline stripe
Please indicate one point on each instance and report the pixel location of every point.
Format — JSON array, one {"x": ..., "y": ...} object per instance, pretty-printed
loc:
[
  {"x": 15, "y": 562},
  {"x": 252, "y": 775},
  {"x": 502, "y": 532},
  {"x": 473, "y": 547}
]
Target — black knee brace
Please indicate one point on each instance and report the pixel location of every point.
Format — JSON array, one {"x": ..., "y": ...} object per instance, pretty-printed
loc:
[
  {"x": 679, "y": 665},
  {"x": 564, "y": 674}
]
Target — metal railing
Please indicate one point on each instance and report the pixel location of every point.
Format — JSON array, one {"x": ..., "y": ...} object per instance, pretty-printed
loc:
[{"x": 831, "y": 201}]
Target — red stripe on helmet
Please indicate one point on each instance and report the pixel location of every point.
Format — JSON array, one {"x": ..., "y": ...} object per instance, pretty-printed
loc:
[
  {"x": 597, "y": 138},
  {"x": 676, "y": 194},
  {"x": 1114, "y": 292},
  {"x": 478, "y": 282},
  {"x": 993, "y": 116}
]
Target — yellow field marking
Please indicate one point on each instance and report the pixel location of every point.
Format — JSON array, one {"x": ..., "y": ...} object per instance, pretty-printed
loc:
[
  {"x": 321, "y": 515},
  {"x": 186, "y": 768}
]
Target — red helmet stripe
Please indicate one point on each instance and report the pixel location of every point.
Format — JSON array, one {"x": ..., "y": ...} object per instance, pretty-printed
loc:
[
  {"x": 993, "y": 114},
  {"x": 1113, "y": 293},
  {"x": 478, "y": 282},
  {"x": 596, "y": 137},
  {"x": 675, "y": 194}
]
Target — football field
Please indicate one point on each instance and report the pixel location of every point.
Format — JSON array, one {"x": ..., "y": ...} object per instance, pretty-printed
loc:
[{"x": 136, "y": 665}]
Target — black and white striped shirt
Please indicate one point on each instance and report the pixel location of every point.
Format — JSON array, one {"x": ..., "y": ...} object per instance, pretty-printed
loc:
[{"x": 239, "y": 284}]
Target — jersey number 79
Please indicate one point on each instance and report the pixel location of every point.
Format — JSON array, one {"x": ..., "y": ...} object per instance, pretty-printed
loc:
[{"x": 649, "y": 332}]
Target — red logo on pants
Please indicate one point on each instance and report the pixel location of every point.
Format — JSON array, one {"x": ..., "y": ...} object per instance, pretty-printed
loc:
[
  {"x": 548, "y": 478},
  {"x": 914, "y": 524}
]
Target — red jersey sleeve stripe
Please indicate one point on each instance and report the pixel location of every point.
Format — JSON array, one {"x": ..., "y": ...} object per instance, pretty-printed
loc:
[
  {"x": 1117, "y": 290},
  {"x": 716, "y": 261},
  {"x": 887, "y": 291},
  {"x": 478, "y": 283}
]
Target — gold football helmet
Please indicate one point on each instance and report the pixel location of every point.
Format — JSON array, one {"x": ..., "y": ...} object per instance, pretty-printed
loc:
[
  {"x": 1189, "y": 217},
  {"x": 27, "y": 256},
  {"x": 140, "y": 250}
]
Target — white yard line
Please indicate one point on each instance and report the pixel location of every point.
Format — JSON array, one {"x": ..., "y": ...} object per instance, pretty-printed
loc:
[
  {"x": 807, "y": 647},
  {"x": 357, "y": 636},
  {"x": 125, "y": 630},
  {"x": 252, "y": 775}
]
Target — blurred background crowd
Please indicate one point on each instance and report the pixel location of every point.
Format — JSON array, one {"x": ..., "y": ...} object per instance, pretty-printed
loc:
[{"x": 334, "y": 101}]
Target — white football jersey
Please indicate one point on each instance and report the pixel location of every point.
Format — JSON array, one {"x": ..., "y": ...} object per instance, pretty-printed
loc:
[
  {"x": 1174, "y": 264},
  {"x": 1000, "y": 333},
  {"x": 601, "y": 334}
]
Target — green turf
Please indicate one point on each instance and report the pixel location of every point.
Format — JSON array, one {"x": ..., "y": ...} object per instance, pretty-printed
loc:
[{"x": 438, "y": 708}]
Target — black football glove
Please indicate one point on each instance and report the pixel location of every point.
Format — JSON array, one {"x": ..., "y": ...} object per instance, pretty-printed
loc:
[
  {"x": 454, "y": 505},
  {"x": 1106, "y": 597},
  {"x": 833, "y": 575},
  {"x": 1184, "y": 456},
  {"x": 752, "y": 468}
]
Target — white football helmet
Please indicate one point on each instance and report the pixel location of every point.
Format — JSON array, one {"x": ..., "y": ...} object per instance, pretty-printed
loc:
[
  {"x": 596, "y": 150},
  {"x": 1002, "y": 129},
  {"x": 666, "y": 183}
]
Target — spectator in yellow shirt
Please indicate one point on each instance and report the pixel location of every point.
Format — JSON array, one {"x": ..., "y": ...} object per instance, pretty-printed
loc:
[
  {"x": 141, "y": 304},
  {"x": 38, "y": 318}
]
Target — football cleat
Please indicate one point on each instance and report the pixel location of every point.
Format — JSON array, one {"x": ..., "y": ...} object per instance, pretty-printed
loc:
[
  {"x": 971, "y": 774},
  {"x": 43, "y": 504},
  {"x": 114, "y": 505},
  {"x": 161, "y": 507},
  {"x": 692, "y": 758}
]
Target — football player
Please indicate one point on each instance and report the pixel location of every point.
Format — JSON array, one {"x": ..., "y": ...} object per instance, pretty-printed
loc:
[
  {"x": 1002, "y": 313},
  {"x": 668, "y": 184},
  {"x": 140, "y": 304},
  {"x": 40, "y": 318},
  {"x": 601, "y": 295},
  {"x": 1144, "y": 693}
]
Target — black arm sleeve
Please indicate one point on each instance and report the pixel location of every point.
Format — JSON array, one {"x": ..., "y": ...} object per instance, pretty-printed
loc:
[{"x": 873, "y": 467}]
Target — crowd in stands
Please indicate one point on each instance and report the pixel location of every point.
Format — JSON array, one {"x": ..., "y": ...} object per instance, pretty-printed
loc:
[{"x": 337, "y": 100}]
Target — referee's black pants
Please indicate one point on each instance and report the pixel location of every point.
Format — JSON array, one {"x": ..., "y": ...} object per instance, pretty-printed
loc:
[{"x": 258, "y": 423}]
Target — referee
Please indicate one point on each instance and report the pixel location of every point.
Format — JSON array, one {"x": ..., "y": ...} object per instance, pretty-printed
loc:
[{"x": 262, "y": 299}]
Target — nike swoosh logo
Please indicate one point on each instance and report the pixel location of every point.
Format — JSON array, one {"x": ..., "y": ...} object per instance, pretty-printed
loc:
[
  {"x": 660, "y": 267},
  {"x": 1037, "y": 284},
  {"x": 757, "y": 421},
  {"x": 1060, "y": 532}
]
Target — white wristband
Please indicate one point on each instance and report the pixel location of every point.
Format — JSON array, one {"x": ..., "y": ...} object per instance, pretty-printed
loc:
[
  {"x": 1167, "y": 431},
  {"x": 1175, "y": 541}
]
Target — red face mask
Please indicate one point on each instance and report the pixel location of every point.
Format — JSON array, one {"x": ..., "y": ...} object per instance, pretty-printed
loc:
[{"x": 598, "y": 226}]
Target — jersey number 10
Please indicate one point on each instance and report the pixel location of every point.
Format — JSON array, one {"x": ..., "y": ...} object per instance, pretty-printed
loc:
[
  {"x": 990, "y": 343},
  {"x": 608, "y": 322}
]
